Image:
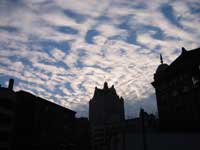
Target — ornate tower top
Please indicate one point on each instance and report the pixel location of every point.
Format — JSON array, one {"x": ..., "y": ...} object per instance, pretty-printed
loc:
[{"x": 106, "y": 106}]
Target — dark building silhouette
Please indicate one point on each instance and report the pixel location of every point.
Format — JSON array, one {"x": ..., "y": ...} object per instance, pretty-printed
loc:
[
  {"x": 106, "y": 106},
  {"x": 177, "y": 89},
  {"x": 30, "y": 122},
  {"x": 8, "y": 103},
  {"x": 82, "y": 134},
  {"x": 43, "y": 124},
  {"x": 145, "y": 121},
  {"x": 106, "y": 116}
]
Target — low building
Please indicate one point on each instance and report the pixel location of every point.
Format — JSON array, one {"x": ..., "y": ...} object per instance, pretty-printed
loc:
[
  {"x": 31, "y": 122},
  {"x": 43, "y": 124}
]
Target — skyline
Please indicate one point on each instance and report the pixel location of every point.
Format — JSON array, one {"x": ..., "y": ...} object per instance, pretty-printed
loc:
[{"x": 60, "y": 50}]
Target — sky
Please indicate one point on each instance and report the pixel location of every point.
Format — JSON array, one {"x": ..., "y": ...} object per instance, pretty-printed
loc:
[{"x": 60, "y": 50}]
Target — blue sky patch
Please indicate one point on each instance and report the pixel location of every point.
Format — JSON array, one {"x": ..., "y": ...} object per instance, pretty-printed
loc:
[
  {"x": 66, "y": 30},
  {"x": 132, "y": 37},
  {"x": 194, "y": 8},
  {"x": 9, "y": 29},
  {"x": 47, "y": 44},
  {"x": 90, "y": 35},
  {"x": 79, "y": 18},
  {"x": 168, "y": 12},
  {"x": 158, "y": 32}
]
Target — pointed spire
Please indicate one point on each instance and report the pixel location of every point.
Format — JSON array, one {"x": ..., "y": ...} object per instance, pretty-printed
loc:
[{"x": 161, "y": 59}]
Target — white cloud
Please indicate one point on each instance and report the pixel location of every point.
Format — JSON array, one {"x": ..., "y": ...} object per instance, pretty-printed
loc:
[{"x": 57, "y": 54}]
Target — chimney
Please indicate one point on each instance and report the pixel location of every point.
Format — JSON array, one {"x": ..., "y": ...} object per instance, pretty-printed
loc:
[{"x": 11, "y": 83}]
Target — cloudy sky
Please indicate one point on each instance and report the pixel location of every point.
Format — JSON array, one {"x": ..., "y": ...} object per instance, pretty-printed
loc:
[{"x": 60, "y": 50}]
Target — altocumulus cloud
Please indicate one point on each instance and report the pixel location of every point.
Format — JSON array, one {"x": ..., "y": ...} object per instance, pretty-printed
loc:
[{"x": 62, "y": 49}]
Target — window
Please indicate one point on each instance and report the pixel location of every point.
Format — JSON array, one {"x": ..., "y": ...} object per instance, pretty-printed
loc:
[{"x": 195, "y": 80}]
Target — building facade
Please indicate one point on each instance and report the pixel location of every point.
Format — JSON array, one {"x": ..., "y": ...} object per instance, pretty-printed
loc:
[
  {"x": 106, "y": 116},
  {"x": 177, "y": 89}
]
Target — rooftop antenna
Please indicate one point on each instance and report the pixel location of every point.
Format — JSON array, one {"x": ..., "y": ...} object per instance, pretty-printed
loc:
[{"x": 161, "y": 59}]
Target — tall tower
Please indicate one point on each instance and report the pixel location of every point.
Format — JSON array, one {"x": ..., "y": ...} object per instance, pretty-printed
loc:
[
  {"x": 106, "y": 116},
  {"x": 106, "y": 107}
]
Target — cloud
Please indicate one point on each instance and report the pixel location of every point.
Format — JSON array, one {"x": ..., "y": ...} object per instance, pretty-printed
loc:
[
  {"x": 61, "y": 50},
  {"x": 57, "y": 54}
]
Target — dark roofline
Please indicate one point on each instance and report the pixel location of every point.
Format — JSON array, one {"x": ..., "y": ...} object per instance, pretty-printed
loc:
[
  {"x": 184, "y": 53},
  {"x": 6, "y": 89},
  {"x": 46, "y": 101},
  {"x": 178, "y": 64},
  {"x": 105, "y": 89}
]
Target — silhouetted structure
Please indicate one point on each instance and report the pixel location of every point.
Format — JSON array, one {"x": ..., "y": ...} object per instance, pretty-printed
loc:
[
  {"x": 82, "y": 134},
  {"x": 30, "y": 122},
  {"x": 137, "y": 129},
  {"x": 42, "y": 124},
  {"x": 8, "y": 103},
  {"x": 178, "y": 92},
  {"x": 106, "y": 116},
  {"x": 145, "y": 121}
]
